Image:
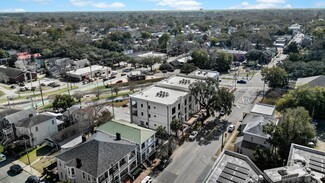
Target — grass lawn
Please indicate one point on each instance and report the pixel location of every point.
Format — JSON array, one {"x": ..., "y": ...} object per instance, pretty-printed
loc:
[
  {"x": 36, "y": 153},
  {"x": 272, "y": 96},
  {"x": 43, "y": 163}
]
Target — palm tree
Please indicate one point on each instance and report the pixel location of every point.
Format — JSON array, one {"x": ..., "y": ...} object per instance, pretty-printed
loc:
[{"x": 115, "y": 90}]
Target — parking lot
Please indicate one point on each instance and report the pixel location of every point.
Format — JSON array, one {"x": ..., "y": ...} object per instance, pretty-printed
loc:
[{"x": 8, "y": 177}]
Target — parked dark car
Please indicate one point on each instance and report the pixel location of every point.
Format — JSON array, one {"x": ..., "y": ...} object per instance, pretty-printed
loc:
[
  {"x": 27, "y": 89},
  {"x": 32, "y": 179},
  {"x": 112, "y": 77},
  {"x": 163, "y": 164},
  {"x": 22, "y": 89},
  {"x": 21, "y": 84},
  {"x": 16, "y": 169},
  {"x": 241, "y": 82},
  {"x": 43, "y": 84},
  {"x": 123, "y": 74},
  {"x": 33, "y": 88},
  {"x": 12, "y": 86},
  {"x": 119, "y": 81},
  {"x": 105, "y": 79},
  {"x": 164, "y": 71}
]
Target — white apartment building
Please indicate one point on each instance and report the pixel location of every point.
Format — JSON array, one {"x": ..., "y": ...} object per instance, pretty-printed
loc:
[{"x": 169, "y": 99}]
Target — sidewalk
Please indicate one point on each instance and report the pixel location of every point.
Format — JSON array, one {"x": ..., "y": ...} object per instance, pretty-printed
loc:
[{"x": 28, "y": 168}]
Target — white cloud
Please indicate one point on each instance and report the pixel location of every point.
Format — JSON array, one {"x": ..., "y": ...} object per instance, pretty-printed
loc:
[
  {"x": 38, "y": 1},
  {"x": 263, "y": 4},
  {"x": 13, "y": 10},
  {"x": 271, "y": 1},
  {"x": 179, "y": 4},
  {"x": 319, "y": 4},
  {"x": 97, "y": 4}
]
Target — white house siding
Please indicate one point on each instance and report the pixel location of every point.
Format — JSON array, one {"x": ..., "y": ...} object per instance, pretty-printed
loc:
[{"x": 161, "y": 114}]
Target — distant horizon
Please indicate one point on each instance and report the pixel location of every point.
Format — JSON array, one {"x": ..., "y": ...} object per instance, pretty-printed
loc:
[
  {"x": 203, "y": 10},
  {"x": 18, "y": 6}
]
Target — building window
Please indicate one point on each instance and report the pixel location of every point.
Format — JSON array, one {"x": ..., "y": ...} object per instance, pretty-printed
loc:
[
  {"x": 83, "y": 175},
  {"x": 148, "y": 106},
  {"x": 89, "y": 178},
  {"x": 141, "y": 113},
  {"x": 179, "y": 106},
  {"x": 72, "y": 171},
  {"x": 190, "y": 99},
  {"x": 185, "y": 102},
  {"x": 59, "y": 163},
  {"x": 149, "y": 115},
  {"x": 185, "y": 110},
  {"x": 252, "y": 139},
  {"x": 154, "y": 116},
  {"x": 154, "y": 107},
  {"x": 61, "y": 175},
  {"x": 52, "y": 121},
  {"x": 147, "y": 123},
  {"x": 141, "y": 105},
  {"x": 173, "y": 110},
  {"x": 155, "y": 124},
  {"x": 36, "y": 128}
]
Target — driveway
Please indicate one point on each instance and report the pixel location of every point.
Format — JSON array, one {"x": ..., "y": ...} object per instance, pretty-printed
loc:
[{"x": 8, "y": 177}]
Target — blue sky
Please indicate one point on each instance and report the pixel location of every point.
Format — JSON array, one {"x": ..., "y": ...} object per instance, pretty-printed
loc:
[{"x": 127, "y": 5}]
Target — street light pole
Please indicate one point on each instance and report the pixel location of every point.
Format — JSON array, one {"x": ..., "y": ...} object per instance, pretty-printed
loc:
[{"x": 27, "y": 155}]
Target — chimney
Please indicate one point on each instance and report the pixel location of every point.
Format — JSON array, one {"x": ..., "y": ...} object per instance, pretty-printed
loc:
[
  {"x": 118, "y": 136},
  {"x": 79, "y": 164}
]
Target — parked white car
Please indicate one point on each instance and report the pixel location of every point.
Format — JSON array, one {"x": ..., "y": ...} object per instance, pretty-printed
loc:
[
  {"x": 193, "y": 135},
  {"x": 231, "y": 128},
  {"x": 2, "y": 157}
]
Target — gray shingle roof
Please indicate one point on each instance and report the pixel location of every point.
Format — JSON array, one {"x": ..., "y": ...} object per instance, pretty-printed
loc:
[
  {"x": 11, "y": 72},
  {"x": 35, "y": 120},
  {"x": 8, "y": 112},
  {"x": 15, "y": 117},
  {"x": 97, "y": 156}
]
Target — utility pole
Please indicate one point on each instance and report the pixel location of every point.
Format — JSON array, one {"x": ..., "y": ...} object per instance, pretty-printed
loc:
[
  {"x": 27, "y": 155},
  {"x": 40, "y": 87}
]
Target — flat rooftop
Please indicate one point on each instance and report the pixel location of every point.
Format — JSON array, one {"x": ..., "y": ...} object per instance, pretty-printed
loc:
[
  {"x": 233, "y": 167},
  {"x": 178, "y": 82},
  {"x": 160, "y": 95},
  {"x": 264, "y": 109},
  {"x": 205, "y": 73},
  {"x": 277, "y": 174},
  {"x": 87, "y": 70}
]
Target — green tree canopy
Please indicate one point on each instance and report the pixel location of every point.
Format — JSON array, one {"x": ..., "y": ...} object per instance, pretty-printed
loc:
[
  {"x": 63, "y": 102},
  {"x": 312, "y": 99},
  {"x": 275, "y": 77},
  {"x": 175, "y": 125},
  {"x": 188, "y": 68},
  {"x": 291, "y": 48},
  {"x": 163, "y": 40},
  {"x": 162, "y": 132},
  {"x": 224, "y": 61},
  {"x": 294, "y": 127},
  {"x": 4, "y": 54},
  {"x": 145, "y": 35},
  {"x": 200, "y": 58}
]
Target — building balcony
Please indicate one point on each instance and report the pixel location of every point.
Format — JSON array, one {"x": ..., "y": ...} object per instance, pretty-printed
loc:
[{"x": 7, "y": 130}]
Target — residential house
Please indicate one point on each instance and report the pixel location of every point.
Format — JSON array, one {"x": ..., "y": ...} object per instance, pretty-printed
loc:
[
  {"x": 37, "y": 128},
  {"x": 312, "y": 81},
  {"x": 253, "y": 135},
  {"x": 169, "y": 99},
  {"x": 16, "y": 75},
  {"x": 77, "y": 64},
  {"x": 101, "y": 159},
  {"x": 233, "y": 167},
  {"x": 144, "y": 138},
  {"x": 9, "y": 121}
]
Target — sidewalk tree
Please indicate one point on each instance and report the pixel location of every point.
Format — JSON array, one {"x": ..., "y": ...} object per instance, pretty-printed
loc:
[
  {"x": 224, "y": 100},
  {"x": 175, "y": 125},
  {"x": 205, "y": 92},
  {"x": 115, "y": 89},
  {"x": 162, "y": 132},
  {"x": 275, "y": 77},
  {"x": 63, "y": 102}
]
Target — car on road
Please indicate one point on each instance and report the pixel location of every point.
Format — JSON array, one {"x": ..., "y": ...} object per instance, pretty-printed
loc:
[
  {"x": 193, "y": 135},
  {"x": 164, "y": 71},
  {"x": 241, "y": 82},
  {"x": 123, "y": 74},
  {"x": 163, "y": 164},
  {"x": 231, "y": 128},
  {"x": 32, "y": 179},
  {"x": 22, "y": 89},
  {"x": 222, "y": 112},
  {"x": 105, "y": 79},
  {"x": 43, "y": 84},
  {"x": 16, "y": 169},
  {"x": 2, "y": 158},
  {"x": 112, "y": 77},
  {"x": 27, "y": 89},
  {"x": 33, "y": 88},
  {"x": 21, "y": 84},
  {"x": 12, "y": 86}
]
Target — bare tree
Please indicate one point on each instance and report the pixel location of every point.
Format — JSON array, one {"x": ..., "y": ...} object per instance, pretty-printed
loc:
[{"x": 78, "y": 95}]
